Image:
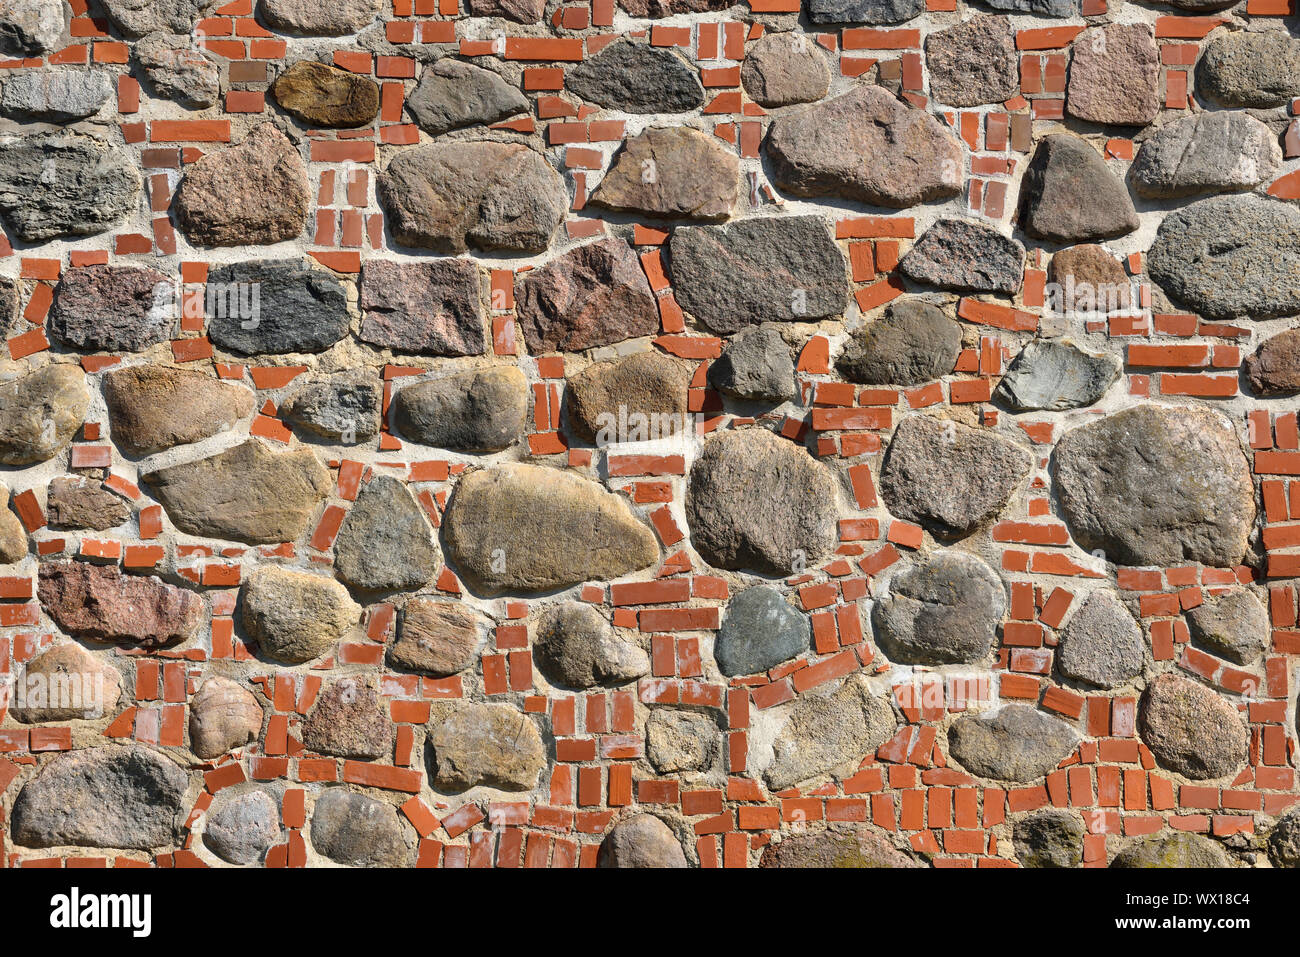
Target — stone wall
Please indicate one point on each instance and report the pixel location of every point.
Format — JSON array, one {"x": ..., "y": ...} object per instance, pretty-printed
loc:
[{"x": 508, "y": 432}]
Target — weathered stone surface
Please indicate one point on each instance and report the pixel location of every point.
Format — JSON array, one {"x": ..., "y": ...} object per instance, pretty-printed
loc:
[
  {"x": 974, "y": 62},
  {"x": 577, "y": 648},
  {"x": 276, "y": 305},
  {"x": 594, "y": 295},
  {"x": 759, "y": 631},
  {"x": 1234, "y": 625},
  {"x": 224, "y": 715},
  {"x": 65, "y": 683},
  {"x": 99, "y": 602},
  {"x": 314, "y": 19},
  {"x": 755, "y": 365},
  {"x": 64, "y": 184},
  {"x": 1250, "y": 68},
  {"x": 1181, "y": 850},
  {"x": 112, "y": 308},
  {"x": 454, "y": 94},
  {"x": 1068, "y": 194},
  {"x": 438, "y": 638},
  {"x": 637, "y": 78},
  {"x": 943, "y": 610},
  {"x": 864, "y": 11},
  {"x": 13, "y": 537},
  {"x": 1101, "y": 643},
  {"x": 963, "y": 254},
  {"x": 674, "y": 173},
  {"x": 1086, "y": 279},
  {"x": 56, "y": 96},
  {"x": 1049, "y": 839},
  {"x": 31, "y": 26},
  {"x": 913, "y": 343},
  {"x": 244, "y": 494},
  {"x": 1115, "y": 75},
  {"x": 108, "y": 797},
  {"x": 482, "y": 410},
  {"x": 1055, "y": 374},
  {"x": 1013, "y": 743},
  {"x": 358, "y": 831},
  {"x": 152, "y": 408},
  {"x": 753, "y": 270},
  {"x": 135, "y": 18},
  {"x": 449, "y": 196},
  {"x": 241, "y": 826},
  {"x": 785, "y": 68},
  {"x": 74, "y": 502},
  {"x": 1206, "y": 153},
  {"x": 349, "y": 720},
  {"x": 179, "y": 71},
  {"x": 253, "y": 193},
  {"x": 40, "y": 412},
  {"x": 865, "y": 145},
  {"x": 857, "y": 847},
  {"x": 1155, "y": 485},
  {"x": 648, "y": 384},
  {"x": 488, "y": 744},
  {"x": 295, "y": 616},
  {"x": 679, "y": 740},
  {"x": 385, "y": 543},
  {"x": 1230, "y": 256},
  {"x": 1190, "y": 729},
  {"x": 325, "y": 96},
  {"x": 1274, "y": 368},
  {"x": 949, "y": 477},
  {"x": 520, "y": 11},
  {"x": 342, "y": 407},
  {"x": 1284, "y": 840},
  {"x": 430, "y": 308},
  {"x": 528, "y": 528},
  {"x": 641, "y": 841},
  {"x": 1042, "y": 8},
  {"x": 759, "y": 502},
  {"x": 831, "y": 727}
]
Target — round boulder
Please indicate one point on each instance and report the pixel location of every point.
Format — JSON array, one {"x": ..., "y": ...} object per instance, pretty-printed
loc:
[{"x": 944, "y": 610}]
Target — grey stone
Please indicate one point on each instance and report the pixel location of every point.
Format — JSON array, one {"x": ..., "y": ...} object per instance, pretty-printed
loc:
[
  {"x": 224, "y": 715},
  {"x": 832, "y": 727},
  {"x": 40, "y": 412},
  {"x": 576, "y": 647},
  {"x": 314, "y": 19},
  {"x": 438, "y": 638},
  {"x": 244, "y": 494},
  {"x": 429, "y": 308},
  {"x": 1055, "y": 374},
  {"x": 1190, "y": 729},
  {"x": 342, "y": 407},
  {"x": 104, "y": 797},
  {"x": 674, "y": 173},
  {"x": 65, "y": 683},
  {"x": 112, "y": 308},
  {"x": 965, "y": 255},
  {"x": 482, "y": 410},
  {"x": 76, "y": 502},
  {"x": 747, "y": 272},
  {"x": 651, "y": 385},
  {"x": 1250, "y": 68},
  {"x": 56, "y": 96},
  {"x": 755, "y": 365},
  {"x": 1049, "y": 839},
  {"x": 276, "y": 306},
  {"x": 1101, "y": 643},
  {"x": 944, "y": 610},
  {"x": 1157, "y": 485},
  {"x": 452, "y": 94},
  {"x": 1206, "y": 153},
  {"x": 520, "y": 11},
  {"x": 135, "y": 18},
  {"x": 637, "y": 78},
  {"x": 785, "y": 68},
  {"x": 241, "y": 826},
  {"x": 759, "y": 502},
  {"x": 1042, "y": 8},
  {"x": 101, "y": 603},
  {"x": 31, "y": 27},
  {"x": 1068, "y": 195},
  {"x": 1181, "y": 850},
  {"x": 295, "y": 616},
  {"x": 1230, "y": 256},
  {"x": 1234, "y": 625},
  {"x": 974, "y": 62},
  {"x": 484, "y": 744},
  {"x": 349, "y": 720},
  {"x": 64, "y": 184},
  {"x": 358, "y": 831},
  {"x": 1014, "y": 743},
  {"x": 852, "y": 848},
  {"x": 1284, "y": 840},
  {"x": 154, "y": 407},
  {"x": 913, "y": 343},
  {"x": 678, "y": 741},
  {"x": 867, "y": 146},
  {"x": 759, "y": 631},
  {"x": 526, "y": 528},
  {"x": 864, "y": 11},
  {"x": 950, "y": 477},
  {"x": 641, "y": 841},
  {"x": 1115, "y": 75},
  {"x": 179, "y": 71},
  {"x": 1274, "y": 368},
  {"x": 385, "y": 543}
]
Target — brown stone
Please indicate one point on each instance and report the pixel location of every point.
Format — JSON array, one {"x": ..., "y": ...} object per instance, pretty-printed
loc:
[
  {"x": 223, "y": 716},
  {"x": 296, "y": 616},
  {"x": 66, "y": 683},
  {"x": 488, "y": 744},
  {"x": 13, "y": 537},
  {"x": 1190, "y": 729},
  {"x": 785, "y": 68},
  {"x": 348, "y": 720},
  {"x": 152, "y": 408},
  {"x": 1274, "y": 369},
  {"x": 74, "y": 502},
  {"x": 112, "y": 308},
  {"x": 430, "y": 308},
  {"x": 603, "y": 398},
  {"x": 326, "y": 96},
  {"x": 520, "y": 11},
  {"x": 40, "y": 412},
  {"x": 1094, "y": 275},
  {"x": 676, "y": 173},
  {"x": 974, "y": 62},
  {"x": 438, "y": 637},
  {"x": 99, "y": 602},
  {"x": 1115, "y": 75}
]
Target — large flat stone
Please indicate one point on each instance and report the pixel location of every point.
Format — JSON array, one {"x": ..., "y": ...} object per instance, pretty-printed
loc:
[
  {"x": 430, "y": 308},
  {"x": 943, "y": 610},
  {"x": 112, "y": 309},
  {"x": 64, "y": 184},
  {"x": 101, "y": 603},
  {"x": 154, "y": 407},
  {"x": 493, "y": 745}
]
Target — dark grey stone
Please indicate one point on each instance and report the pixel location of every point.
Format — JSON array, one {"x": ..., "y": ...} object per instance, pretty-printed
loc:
[
  {"x": 452, "y": 94},
  {"x": 1068, "y": 195},
  {"x": 864, "y": 11},
  {"x": 759, "y": 631},
  {"x": 273, "y": 306},
  {"x": 637, "y": 78},
  {"x": 965, "y": 255},
  {"x": 1055, "y": 374},
  {"x": 913, "y": 343},
  {"x": 577, "y": 648},
  {"x": 1049, "y": 839},
  {"x": 755, "y": 365},
  {"x": 385, "y": 543},
  {"x": 342, "y": 407}
]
